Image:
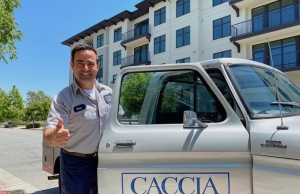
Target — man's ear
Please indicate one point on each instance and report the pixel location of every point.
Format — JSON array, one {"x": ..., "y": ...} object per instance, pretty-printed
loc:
[{"x": 71, "y": 64}]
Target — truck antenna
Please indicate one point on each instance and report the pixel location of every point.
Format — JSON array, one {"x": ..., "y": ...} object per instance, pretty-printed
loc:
[{"x": 282, "y": 127}]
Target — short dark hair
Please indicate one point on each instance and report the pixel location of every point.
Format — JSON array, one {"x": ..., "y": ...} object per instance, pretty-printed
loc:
[{"x": 82, "y": 47}]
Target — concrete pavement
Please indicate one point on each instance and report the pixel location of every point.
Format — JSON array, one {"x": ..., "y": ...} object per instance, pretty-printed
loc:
[{"x": 12, "y": 184}]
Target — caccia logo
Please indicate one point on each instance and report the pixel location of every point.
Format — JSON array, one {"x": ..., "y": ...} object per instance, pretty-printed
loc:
[{"x": 179, "y": 183}]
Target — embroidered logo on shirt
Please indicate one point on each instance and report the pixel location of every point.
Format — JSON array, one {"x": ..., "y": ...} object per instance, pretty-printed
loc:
[
  {"x": 79, "y": 107},
  {"x": 107, "y": 98}
]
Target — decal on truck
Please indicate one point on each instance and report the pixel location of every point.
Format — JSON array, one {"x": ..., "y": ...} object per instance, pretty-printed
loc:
[{"x": 176, "y": 183}]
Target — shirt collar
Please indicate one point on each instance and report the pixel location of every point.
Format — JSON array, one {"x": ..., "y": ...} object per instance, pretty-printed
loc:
[{"x": 76, "y": 87}]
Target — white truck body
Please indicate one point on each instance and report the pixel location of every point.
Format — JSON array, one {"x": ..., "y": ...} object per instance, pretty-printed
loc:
[{"x": 242, "y": 146}]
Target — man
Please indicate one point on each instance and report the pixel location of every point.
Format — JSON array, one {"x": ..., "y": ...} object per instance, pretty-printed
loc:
[{"x": 76, "y": 121}]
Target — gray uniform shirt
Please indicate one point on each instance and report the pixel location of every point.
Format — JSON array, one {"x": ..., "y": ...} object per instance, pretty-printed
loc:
[{"x": 85, "y": 118}]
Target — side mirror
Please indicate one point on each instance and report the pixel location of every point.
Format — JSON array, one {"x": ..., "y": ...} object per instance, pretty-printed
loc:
[{"x": 190, "y": 120}]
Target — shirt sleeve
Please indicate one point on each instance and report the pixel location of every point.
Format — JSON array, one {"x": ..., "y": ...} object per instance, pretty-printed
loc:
[{"x": 58, "y": 108}]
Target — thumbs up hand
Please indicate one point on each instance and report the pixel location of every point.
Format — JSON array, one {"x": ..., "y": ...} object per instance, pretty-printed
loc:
[{"x": 61, "y": 135}]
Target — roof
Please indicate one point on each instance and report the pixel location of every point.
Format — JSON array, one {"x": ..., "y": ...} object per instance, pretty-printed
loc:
[{"x": 142, "y": 9}]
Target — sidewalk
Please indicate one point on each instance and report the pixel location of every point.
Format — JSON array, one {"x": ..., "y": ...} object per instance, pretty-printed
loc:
[{"x": 12, "y": 184}]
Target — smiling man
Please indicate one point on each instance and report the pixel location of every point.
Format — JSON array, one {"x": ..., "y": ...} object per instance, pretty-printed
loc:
[{"x": 76, "y": 122}]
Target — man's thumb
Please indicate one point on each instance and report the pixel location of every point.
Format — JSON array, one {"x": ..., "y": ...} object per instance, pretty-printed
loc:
[{"x": 59, "y": 124}]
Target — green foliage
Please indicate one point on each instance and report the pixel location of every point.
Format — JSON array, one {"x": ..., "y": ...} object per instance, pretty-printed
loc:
[
  {"x": 4, "y": 104},
  {"x": 170, "y": 100},
  {"x": 38, "y": 105},
  {"x": 15, "y": 106},
  {"x": 38, "y": 97},
  {"x": 133, "y": 91},
  {"x": 8, "y": 32}
]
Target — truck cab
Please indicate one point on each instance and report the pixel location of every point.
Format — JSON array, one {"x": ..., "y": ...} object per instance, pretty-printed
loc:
[{"x": 218, "y": 126}]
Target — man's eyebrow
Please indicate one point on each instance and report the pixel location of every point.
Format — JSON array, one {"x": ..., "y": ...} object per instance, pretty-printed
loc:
[{"x": 79, "y": 61}]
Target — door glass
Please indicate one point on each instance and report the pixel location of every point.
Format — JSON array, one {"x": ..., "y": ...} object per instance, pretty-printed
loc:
[
  {"x": 274, "y": 14},
  {"x": 276, "y": 54},
  {"x": 259, "y": 53},
  {"x": 162, "y": 97},
  {"x": 289, "y": 53},
  {"x": 258, "y": 18},
  {"x": 287, "y": 11}
]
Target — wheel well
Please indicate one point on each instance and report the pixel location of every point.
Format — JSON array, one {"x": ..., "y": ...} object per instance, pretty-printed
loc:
[{"x": 57, "y": 166}]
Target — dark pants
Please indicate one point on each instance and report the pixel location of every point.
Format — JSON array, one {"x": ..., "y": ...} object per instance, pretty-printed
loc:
[{"x": 78, "y": 175}]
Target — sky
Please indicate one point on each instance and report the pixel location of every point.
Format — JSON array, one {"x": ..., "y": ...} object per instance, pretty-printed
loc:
[{"x": 43, "y": 62}]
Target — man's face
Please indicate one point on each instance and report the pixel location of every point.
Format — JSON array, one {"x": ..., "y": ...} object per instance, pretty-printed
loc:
[{"x": 85, "y": 68}]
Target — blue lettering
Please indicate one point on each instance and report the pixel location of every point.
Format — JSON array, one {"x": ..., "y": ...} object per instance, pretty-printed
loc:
[
  {"x": 156, "y": 185},
  {"x": 211, "y": 185},
  {"x": 180, "y": 184},
  {"x": 163, "y": 184},
  {"x": 198, "y": 184},
  {"x": 133, "y": 182}
]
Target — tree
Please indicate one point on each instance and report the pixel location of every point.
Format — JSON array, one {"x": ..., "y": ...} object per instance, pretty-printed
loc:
[
  {"x": 16, "y": 105},
  {"x": 8, "y": 32},
  {"x": 4, "y": 104},
  {"x": 38, "y": 105},
  {"x": 133, "y": 91},
  {"x": 39, "y": 97},
  {"x": 33, "y": 112}
]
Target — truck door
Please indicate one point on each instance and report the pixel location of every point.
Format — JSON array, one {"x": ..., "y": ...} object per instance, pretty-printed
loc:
[
  {"x": 275, "y": 149},
  {"x": 146, "y": 149}
]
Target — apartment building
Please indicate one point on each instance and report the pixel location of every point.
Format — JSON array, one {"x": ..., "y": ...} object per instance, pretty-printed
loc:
[{"x": 177, "y": 31}]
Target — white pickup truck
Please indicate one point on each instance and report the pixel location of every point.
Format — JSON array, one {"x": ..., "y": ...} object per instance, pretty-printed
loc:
[{"x": 218, "y": 126}]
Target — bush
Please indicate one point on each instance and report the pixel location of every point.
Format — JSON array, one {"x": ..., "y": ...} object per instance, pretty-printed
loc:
[
  {"x": 36, "y": 125},
  {"x": 12, "y": 124},
  {"x": 7, "y": 125}
]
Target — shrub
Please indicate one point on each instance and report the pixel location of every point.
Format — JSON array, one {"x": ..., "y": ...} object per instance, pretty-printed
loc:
[
  {"x": 7, "y": 125},
  {"x": 30, "y": 125}
]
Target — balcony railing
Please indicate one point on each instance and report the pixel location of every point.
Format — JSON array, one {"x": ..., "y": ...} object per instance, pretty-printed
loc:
[
  {"x": 261, "y": 22},
  {"x": 231, "y": 2},
  {"x": 143, "y": 31},
  {"x": 282, "y": 61},
  {"x": 137, "y": 59}
]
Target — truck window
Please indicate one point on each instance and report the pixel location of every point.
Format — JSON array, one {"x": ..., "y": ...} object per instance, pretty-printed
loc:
[
  {"x": 258, "y": 88},
  {"x": 162, "y": 97}
]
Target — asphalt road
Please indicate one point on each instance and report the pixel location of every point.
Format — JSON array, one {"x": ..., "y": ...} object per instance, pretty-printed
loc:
[{"x": 21, "y": 163}]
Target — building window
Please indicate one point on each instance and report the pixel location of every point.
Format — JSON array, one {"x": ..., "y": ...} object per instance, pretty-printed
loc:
[
  {"x": 273, "y": 14},
  {"x": 182, "y": 7},
  {"x": 100, "y": 59},
  {"x": 100, "y": 40},
  {"x": 117, "y": 34},
  {"x": 141, "y": 27},
  {"x": 222, "y": 27},
  {"x": 114, "y": 78},
  {"x": 284, "y": 53},
  {"x": 185, "y": 60},
  {"x": 183, "y": 37},
  {"x": 117, "y": 58},
  {"x": 141, "y": 54},
  {"x": 222, "y": 54},
  {"x": 160, "y": 44},
  {"x": 99, "y": 79},
  {"x": 160, "y": 16},
  {"x": 218, "y": 2}
]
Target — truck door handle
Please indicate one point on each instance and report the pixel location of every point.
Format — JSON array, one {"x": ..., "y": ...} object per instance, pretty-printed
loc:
[{"x": 125, "y": 143}]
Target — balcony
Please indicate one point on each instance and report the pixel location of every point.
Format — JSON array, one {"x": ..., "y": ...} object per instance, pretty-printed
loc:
[
  {"x": 137, "y": 59},
  {"x": 137, "y": 36},
  {"x": 244, "y": 3},
  {"x": 269, "y": 23},
  {"x": 289, "y": 61}
]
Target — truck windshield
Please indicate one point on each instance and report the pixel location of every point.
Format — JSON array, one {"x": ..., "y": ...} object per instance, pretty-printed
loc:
[{"x": 258, "y": 89}]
